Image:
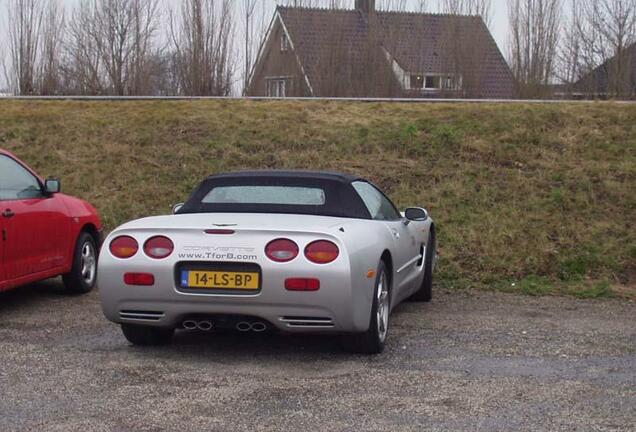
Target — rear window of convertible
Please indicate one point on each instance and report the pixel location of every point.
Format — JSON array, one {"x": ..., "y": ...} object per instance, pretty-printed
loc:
[{"x": 275, "y": 195}]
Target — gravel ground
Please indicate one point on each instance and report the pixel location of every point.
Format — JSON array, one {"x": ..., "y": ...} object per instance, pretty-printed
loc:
[{"x": 468, "y": 361}]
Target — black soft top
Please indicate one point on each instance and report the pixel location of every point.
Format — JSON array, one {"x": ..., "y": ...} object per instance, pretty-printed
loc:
[
  {"x": 324, "y": 175},
  {"x": 341, "y": 199}
]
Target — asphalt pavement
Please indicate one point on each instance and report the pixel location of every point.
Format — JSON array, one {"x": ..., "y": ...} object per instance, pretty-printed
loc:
[{"x": 468, "y": 361}]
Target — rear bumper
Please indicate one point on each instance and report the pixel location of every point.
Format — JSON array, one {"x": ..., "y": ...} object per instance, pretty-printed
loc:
[
  {"x": 339, "y": 306},
  {"x": 290, "y": 318}
]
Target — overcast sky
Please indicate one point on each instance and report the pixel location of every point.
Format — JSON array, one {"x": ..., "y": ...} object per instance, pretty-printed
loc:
[{"x": 499, "y": 24}]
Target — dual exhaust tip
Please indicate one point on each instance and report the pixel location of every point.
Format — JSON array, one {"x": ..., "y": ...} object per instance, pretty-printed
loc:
[
  {"x": 200, "y": 325},
  {"x": 243, "y": 326},
  {"x": 256, "y": 326}
]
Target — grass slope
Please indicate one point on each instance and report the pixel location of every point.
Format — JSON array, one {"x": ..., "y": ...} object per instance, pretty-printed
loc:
[{"x": 530, "y": 198}]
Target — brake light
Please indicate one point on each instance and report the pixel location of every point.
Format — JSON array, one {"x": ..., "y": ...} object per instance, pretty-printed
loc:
[
  {"x": 281, "y": 250},
  {"x": 321, "y": 252},
  {"x": 158, "y": 247},
  {"x": 124, "y": 247},
  {"x": 139, "y": 279},
  {"x": 220, "y": 231},
  {"x": 300, "y": 284}
]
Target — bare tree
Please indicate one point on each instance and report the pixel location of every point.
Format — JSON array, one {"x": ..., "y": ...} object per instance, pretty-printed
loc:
[
  {"x": 202, "y": 37},
  {"x": 422, "y": 6},
  {"x": 481, "y": 8},
  {"x": 111, "y": 44},
  {"x": 330, "y": 4},
  {"x": 25, "y": 24},
  {"x": 569, "y": 67},
  {"x": 144, "y": 65},
  {"x": 254, "y": 22},
  {"x": 534, "y": 37},
  {"x": 49, "y": 79},
  {"x": 606, "y": 30},
  {"x": 122, "y": 31},
  {"x": 5, "y": 73},
  {"x": 82, "y": 67}
]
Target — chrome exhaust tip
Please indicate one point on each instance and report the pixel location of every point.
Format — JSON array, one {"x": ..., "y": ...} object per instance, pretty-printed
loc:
[
  {"x": 259, "y": 327},
  {"x": 190, "y": 325},
  {"x": 244, "y": 326},
  {"x": 205, "y": 325}
]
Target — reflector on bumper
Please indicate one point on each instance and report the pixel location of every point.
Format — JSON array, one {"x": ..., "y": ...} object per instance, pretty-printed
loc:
[{"x": 302, "y": 284}]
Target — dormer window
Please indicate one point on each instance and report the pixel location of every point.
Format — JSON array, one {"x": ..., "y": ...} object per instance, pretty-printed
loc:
[
  {"x": 284, "y": 42},
  {"x": 434, "y": 82}
]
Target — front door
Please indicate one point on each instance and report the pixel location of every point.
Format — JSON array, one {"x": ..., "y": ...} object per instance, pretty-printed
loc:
[
  {"x": 408, "y": 252},
  {"x": 34, "y": 225}
]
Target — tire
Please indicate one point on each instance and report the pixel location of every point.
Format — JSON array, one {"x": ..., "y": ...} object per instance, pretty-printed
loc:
[
  {"x": 425, "y": 292},
  {"x": 146, "y": 336},
  {"x": 373, "y": 340},
  {"x": 83, "y": 274}
]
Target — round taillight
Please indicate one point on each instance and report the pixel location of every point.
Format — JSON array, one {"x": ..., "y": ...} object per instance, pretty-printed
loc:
[
  {"x": 322, "y": 252},
  {"x": 281, "y": 250},
  {"x": 124, "y": 247},
  {"x": 158, "y": 247}
]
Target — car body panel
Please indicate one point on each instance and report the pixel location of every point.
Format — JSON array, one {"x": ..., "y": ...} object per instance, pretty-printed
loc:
[
  {"x": 82, "y": 215},
  {"x": 347, "y": 287},
  {"x": 2, "y": 247},
  {"x": 38, "y": 240},
  {"x": 37, "y": 236}
]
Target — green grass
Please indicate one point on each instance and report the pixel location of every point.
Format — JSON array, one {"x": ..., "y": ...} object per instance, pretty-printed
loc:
[{"x": 539, "y": 194}]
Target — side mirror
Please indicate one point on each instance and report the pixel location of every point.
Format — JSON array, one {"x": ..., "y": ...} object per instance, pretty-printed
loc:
[
  {"x": 416, "y": 214},
  {"x": 176, "y": 208},
  {"x": 52, "y": 186}
]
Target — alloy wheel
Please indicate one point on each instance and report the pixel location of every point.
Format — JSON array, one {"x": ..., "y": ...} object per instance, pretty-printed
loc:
[
  {"x": 89, "y": 263},
  {"x": 383, "y": 307}
]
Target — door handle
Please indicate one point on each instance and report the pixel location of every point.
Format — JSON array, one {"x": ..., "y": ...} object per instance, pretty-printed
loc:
[{"x": 8, "y": 213}]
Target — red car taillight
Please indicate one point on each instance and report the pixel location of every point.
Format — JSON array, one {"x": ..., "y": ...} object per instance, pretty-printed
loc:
[
  {"x": 158, "y": 247},
  {"x": 139, "y": 279},
  {"x": 124, "y": 247},
  {"x": 302, "y": 284},
  {"x": 322, "y": 252},
  {"x": 281, "y": 250}
]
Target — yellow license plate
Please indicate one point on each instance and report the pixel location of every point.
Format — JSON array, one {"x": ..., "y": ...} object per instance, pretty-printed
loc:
[{"x": 220, "y": 280}]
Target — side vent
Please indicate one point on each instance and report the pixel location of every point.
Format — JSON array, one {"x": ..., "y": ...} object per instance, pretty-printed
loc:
[
  {"x": 306, "y": 322},
  {"x": 141, "y": 315}
]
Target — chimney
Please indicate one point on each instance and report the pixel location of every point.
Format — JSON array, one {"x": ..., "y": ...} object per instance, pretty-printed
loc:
[{"x": 365, "y": 6}]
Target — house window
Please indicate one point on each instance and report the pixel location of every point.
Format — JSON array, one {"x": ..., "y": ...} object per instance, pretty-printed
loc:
[
  {"x": 452, "y": 82},
  {"x": 417, "y": 81},
  {"x": 277, "y": 87},
  {"x": 284, "y": 42},
  {"x": 433, "y": 82}
]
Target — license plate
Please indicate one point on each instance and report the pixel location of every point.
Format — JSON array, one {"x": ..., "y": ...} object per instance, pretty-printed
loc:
[{"x": 220, "y": 280}]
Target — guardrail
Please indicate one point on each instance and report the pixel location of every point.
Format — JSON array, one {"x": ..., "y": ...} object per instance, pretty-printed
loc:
[{"x": 343, "y": 99}]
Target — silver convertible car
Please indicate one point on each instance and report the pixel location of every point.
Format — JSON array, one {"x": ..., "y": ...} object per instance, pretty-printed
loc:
[{"x": 308, "y": 252}]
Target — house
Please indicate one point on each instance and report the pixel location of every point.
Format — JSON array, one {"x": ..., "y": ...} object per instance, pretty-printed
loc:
[
  {"x": 615, "y": 78},
  {"x": 364, "y": 52}
]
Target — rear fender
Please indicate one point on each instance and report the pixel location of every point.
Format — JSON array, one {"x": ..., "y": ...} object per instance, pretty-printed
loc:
[{"x": 366, "y": 243}]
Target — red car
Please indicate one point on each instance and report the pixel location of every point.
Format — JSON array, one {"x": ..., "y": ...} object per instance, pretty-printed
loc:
[{"x": 44, "y": 233}]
